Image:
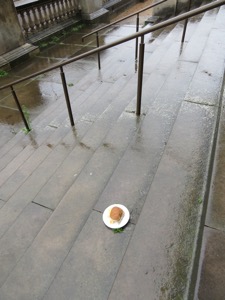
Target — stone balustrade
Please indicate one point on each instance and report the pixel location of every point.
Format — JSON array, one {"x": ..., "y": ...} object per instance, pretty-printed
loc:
[{"x": 40, "y": 15}]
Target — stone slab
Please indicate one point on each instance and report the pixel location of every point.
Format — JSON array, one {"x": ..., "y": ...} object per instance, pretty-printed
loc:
[
  {"x": 20, "y": 236},
  {"x": 30, "y": 188},
  {"x": 20, "y": 175},
  {"x": 216, "y": 206},
  {"x": 52, "y": 245},
  {"x": 205, "y": 87},
  {"x": 102, "y": 251},
  {"x": 212, "y": 268},
  {"x": 159, "y": 256},
  {"x": 132, "y": 179},
  {"x": 52, "y": 193},
  {"x": 199, "y": 38}
]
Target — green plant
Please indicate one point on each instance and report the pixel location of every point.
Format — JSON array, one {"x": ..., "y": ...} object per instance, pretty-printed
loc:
[
  {"x": 27, "y": 117},
  {"x": 3, "y": 73},
  {"x": 43, "y": 45},
  {"x": 70, "y": 84},
  {"x": 54, "y": 40},
  {"x": 118, "y": 230},
  {"x": 200, "y": 200},
  {"x": 77, "y": 28}
]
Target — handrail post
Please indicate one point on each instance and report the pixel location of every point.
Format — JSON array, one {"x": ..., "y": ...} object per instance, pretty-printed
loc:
[
  {"x": 97, "y": 42},
  {"x": 66, "y": 96},
  {"x": 136, "y": 46},
  {"x": 20, "y": 109},
  {"x": 185, "y": 23},
  {"x": 140, "y": 75}
]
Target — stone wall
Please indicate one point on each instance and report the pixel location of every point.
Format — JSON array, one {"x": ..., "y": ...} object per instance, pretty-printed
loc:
[
  {"x": 168, "y": 8},
  {"x": 89, "y": 7},
  {"x": 11, "y": 35}
]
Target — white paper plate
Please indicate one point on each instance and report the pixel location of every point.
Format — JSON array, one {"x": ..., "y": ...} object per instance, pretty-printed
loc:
[{"x": 106, "y": 218}]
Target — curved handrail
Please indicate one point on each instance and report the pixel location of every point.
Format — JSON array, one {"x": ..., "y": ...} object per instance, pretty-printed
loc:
[
  {"x": 122, "y": 19},
  {"x": 141, "y": 34}
]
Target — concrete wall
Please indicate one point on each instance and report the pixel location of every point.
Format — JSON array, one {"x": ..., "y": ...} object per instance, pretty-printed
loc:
[
  {"x": 89, "y": 7},
  {"x": 167, "y": 8},
  {"x": 11, "y": 35}
]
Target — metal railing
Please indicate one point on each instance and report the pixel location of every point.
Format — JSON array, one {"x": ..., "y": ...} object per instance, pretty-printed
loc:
[
  {"x": 137, "y": 13},
  {"x": 110, "y": 45}
]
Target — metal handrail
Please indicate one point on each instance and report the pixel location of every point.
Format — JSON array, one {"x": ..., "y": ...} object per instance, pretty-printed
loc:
[
  {"x": 120, "y": 20},
  {"x": 141, "y": 34}
]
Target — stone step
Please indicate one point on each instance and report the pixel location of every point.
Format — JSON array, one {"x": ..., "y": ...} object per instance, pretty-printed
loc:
[
  {"x": 85, "y": 190},
  {"x": 110, "y": 152},
  {"x": 69, "y": 140},
  {"x": 171, "y": 207},
  {"x": 107, "y": 145},
  {"x": 199, "y": 37},
  {"x": 189, "y": 119},
  {"x": 128, "y": 185},
  {"x": 73, "y": 71},
  {"x": 20, "y": 236},
  {"x": 96, "y": 177}
]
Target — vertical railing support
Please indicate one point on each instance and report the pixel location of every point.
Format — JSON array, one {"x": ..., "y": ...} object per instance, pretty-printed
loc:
[
  {"x": 20, "y": 109},
  {"x": 186, "y": 22},
  {"x": 99, "y": 59},
  {"x": 140, "y": 75},
  {"x": 66, "y": 96},
  {"x": 175, "y": 9},
  {"x": 136, "y": 46}
]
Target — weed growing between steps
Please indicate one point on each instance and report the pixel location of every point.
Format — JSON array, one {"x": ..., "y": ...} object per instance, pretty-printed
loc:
[
  {"x": 27, "y": 116},
  {"x": 3, "y": 73}
]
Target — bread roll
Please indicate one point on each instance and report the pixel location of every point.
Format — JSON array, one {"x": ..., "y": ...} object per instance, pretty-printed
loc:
[{"x": 116, "y": 214}]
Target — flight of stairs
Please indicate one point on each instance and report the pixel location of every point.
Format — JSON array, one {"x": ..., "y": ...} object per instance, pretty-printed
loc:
[{"x": 56, "y": 181}]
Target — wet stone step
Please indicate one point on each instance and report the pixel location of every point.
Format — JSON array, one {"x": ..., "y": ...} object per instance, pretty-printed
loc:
[
  {"x": 75, "y": 279},
  {"x": 50, "y": 127},
  {"x": 33, "y": 184},
  {"x": 20, "y": 236},
  {"x": 199, "y": 38},
  {"x": 15, "y": 205},
  {"x": 66, "y": 221},
  {"x": 170, "y": 205},
  {"x": 53, "y": 191},
  {"x": 207, "y": 81},
  {"x": 132, "y": 178},
  {"x": 152, "y": 61}
]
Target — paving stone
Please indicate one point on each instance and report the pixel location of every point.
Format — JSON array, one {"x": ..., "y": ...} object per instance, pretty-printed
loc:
[
  {"x": 212, "y": 270},
  {"x": 152, "y": 266},
  {"x": 14, "y": 164},
  {"x": 102, "y": 250},
  {"x": 131, "y": 180},
  {"x": 158, "y": 267},
  {"x": 20, "y": 236},
  {"x": 56, "y": 187},
  {"x": 154, "y": 60},
  {"x": 205, "y": 87},
  {"x": 199, "y": 38},
  {"x": 220, "y": 18},
  {"x": 21, "y": 174},
  {"x": 30, "y": 188},
  {"x": 55, "y": 240},
  {"x": 216, "y": 206}
]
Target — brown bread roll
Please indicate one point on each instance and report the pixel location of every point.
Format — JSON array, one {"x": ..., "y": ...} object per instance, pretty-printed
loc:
[{"x": 116, "y": 214}]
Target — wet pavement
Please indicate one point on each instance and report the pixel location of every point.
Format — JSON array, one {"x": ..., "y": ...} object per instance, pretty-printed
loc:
[
  {"x": 56, "y": 181},
  {"x": 211, "y": 275}
]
